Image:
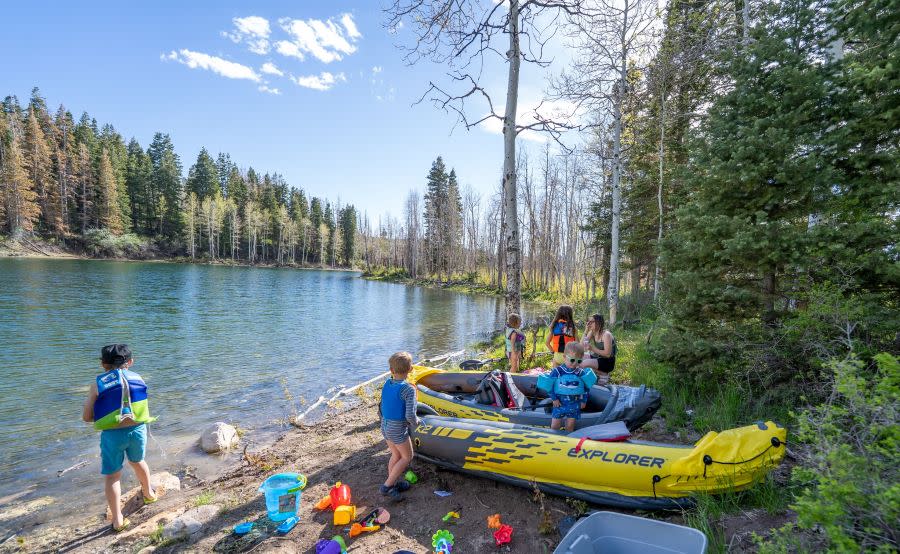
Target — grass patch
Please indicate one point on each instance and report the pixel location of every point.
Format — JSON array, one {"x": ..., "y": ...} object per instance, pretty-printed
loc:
[
  {"x": 204, "y": 498},
  {"x": 156, "y": 539}
]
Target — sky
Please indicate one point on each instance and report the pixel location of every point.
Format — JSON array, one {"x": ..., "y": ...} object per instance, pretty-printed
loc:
[{"x": 316, "y": 91}]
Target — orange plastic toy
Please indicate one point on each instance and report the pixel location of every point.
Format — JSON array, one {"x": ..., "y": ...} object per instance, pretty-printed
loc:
[
  {"x": 344, "y": 514},
  {"x": 494, "y": 521},
  {"x": 340, "y": 495},
  {"x": 357, "y": 529},
  {"x": 324, "y": 503}
]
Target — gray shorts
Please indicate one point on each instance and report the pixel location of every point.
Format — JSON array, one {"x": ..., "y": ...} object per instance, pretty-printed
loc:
[{"x": 395, "y": 430}]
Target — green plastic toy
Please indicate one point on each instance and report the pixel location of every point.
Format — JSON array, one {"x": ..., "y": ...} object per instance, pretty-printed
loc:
[
  {"x": 441, "y": 536},
  {"x": 411, "y": 477}
]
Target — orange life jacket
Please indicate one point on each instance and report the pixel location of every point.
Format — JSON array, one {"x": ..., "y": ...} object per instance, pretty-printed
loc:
[{"x": 561, "y": 335}]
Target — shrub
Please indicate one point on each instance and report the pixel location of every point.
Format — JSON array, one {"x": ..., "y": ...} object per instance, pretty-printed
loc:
[
  {"x": 849, "y": 476},
  {"x": 102, "y": 243}
]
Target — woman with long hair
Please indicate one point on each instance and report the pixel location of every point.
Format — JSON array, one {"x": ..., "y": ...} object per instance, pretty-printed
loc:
[{"x": 600, "y": 343}]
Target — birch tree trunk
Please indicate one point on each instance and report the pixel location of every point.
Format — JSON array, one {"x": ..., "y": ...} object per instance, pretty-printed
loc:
[
  {"x": 510, "y": 209},
  {"x": 659, "y": 190},
  {"x": 613, "y": 294}
]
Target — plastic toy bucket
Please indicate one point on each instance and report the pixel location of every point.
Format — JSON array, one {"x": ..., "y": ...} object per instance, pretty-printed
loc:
[{"x": 282, "y": 492}]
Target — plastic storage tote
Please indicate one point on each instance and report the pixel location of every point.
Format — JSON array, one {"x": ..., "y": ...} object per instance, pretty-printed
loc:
[{"x": 613, "y": 533}]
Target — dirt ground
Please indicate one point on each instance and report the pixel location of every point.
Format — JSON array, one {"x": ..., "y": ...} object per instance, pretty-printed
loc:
[{"x": 347, "y": 447}]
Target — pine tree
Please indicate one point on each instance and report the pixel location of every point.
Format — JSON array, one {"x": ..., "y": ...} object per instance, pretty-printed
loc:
[
  {"x": 4, "y": 132},
  {"x": 332, "y": 236},
  {"x": 348, "y": 232},
  {"x": 452, "y": 223},
  {"x": 39, "y": 165},
  {"x": 316, "y": 218},
  {"x": 108, "y": 194},
  {"x": 224, "y": 165},
  {"x": 84, "y": 179},
  {"x": 167, "y": 186},
  {"x": 436, "y": 200},
  {"x": 757, "y": 166},
  {"x": 138, "y": 178},
  {"x": 858, "y": 213},
  {"x": 64, "y": 156},
  {"x": 115, "y": 147},
  {"x": 203, "y": 177},
  {"x": 21, "y": 206}
]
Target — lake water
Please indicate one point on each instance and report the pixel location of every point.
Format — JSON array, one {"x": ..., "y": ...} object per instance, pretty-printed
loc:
[{"x": 213, "y": 343}]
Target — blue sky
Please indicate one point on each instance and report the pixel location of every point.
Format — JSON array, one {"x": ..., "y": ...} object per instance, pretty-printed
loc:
[{"x": 340, "y": 125}]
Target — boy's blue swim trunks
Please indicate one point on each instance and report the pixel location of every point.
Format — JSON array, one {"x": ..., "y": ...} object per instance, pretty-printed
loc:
[
  {"x": 569, "y": 407},
  {"x": 115, "y": 444}
]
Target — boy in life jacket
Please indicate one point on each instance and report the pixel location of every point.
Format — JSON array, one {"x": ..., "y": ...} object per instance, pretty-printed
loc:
[
  {"x": 117, "y": 406},
  {"x": 570, "y": 387},
  {"x": 398, "y": 412}
]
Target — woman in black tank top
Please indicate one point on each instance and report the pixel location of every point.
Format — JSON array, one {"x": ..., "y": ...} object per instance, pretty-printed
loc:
[{"x": 601, "y": 345}]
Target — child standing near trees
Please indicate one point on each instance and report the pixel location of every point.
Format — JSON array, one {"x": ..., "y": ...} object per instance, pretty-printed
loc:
[
  {"x": 398, "y": 412},
  {"x": 561, "y": 332},
  {"x": 117, "y": 405},
  {"x": 515, "y": 342}
]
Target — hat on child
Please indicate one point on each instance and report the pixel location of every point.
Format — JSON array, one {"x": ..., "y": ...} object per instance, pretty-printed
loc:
[{"x": 115, "y": 354}]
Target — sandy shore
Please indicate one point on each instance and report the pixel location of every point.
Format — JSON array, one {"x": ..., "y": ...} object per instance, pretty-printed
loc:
[{"x": 347, "y": 447}]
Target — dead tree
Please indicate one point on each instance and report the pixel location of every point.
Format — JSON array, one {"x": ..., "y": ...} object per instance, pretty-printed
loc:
[{"x": 460, "y": 33}]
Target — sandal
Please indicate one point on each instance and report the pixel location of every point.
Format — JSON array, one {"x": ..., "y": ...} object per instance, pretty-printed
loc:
[
  {"x": 150, "y": 500},
  {"x": 125, "y": 524}
]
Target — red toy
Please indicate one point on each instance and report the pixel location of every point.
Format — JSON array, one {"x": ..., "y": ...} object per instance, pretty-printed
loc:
[
  {"x": 340, "y": 495},
  {"x": 503, "y": 535}
]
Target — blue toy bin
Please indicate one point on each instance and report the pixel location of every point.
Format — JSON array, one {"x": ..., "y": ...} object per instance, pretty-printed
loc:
[{"x": 282, "y": 492}]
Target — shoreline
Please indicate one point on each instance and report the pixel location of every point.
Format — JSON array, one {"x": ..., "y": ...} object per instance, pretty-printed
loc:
[{"x": 12, "y": 248}]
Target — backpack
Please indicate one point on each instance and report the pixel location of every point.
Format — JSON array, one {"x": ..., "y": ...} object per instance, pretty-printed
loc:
[{"x": 497, "y": 389}]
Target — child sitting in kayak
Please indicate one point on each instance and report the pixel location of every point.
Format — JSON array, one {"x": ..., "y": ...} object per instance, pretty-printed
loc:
[
  {"x": 515, "y": 342},
  {"x": 570, "y": 388},
  {"x": 398, "y": 412},
  {"x": 117, "y": 405}
]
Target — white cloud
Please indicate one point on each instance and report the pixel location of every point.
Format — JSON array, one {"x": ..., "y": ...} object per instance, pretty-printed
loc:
[
  {"x": 347, "y": 22},
  {"x": 327, "y": 41},
  {"x": 253, "y": 25},
  {"x": 270, "y": 90},
  {"x": 289, "y": 49},
  {"x": 225, "y": 68},
  {"x": 252, "y": 30},
  {"x": 271, "y": 69},
  {"x": 377, "y": 69},
  {"x": 323, "y": 81}
]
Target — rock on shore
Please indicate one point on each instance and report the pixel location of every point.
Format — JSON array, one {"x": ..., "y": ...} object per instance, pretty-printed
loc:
[{"x": 217, "y": 437}]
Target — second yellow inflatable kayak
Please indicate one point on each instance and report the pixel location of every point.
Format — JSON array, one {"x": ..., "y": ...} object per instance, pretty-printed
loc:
[{"x": 629, "y": 474}]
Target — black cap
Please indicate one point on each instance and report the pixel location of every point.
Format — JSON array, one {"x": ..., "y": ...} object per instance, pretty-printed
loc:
[{"x": 115, "y": 354}]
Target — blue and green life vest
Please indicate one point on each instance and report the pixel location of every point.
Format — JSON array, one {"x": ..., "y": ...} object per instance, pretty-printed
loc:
[
  {"x": 115, "y": 403},
  {"x": 392, "y": 404},
  {"x": 568, "y": 384}
]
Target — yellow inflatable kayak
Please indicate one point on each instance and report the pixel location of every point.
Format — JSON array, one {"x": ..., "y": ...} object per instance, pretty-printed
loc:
[{"x": 630, "y": 474}]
